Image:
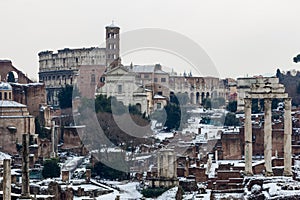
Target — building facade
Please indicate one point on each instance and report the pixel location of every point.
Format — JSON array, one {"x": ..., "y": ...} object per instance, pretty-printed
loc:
[
  {"x": 15, "y": 120},
  {"x": 121, "y": 83},
  {"x": 59, "y": 69}
]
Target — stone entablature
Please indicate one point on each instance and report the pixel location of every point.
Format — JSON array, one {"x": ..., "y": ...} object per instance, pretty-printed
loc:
[{"x": 258, "y": 85}]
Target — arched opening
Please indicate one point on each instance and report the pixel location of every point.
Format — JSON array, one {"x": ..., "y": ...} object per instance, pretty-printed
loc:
[
  {"x": 207, "y": 94},
  {"x": 12, "y": 77},
  {"x": 138, "y": 107},
  {"x": 197, "y": 97}
]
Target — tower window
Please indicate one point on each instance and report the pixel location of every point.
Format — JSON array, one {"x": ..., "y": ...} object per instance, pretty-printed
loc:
[
  {"x": 93, "y": 79},
  {"x": 5, "y": 95},
  {"x": 119, "y": 89}
]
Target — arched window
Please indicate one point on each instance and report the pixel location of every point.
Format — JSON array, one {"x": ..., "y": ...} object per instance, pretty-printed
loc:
[{"x": 5, "y": 95}]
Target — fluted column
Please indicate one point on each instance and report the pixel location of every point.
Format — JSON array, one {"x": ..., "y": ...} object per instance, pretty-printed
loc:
[
  {"x": 287, "y": 139},
  {"x": 268, "y": 137},
  {"x": 248, "y": 137}
]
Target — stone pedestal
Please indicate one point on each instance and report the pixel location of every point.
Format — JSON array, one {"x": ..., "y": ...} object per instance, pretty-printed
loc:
[
  {"x": 248, "y": 137},
  {"x": 287, "y": 139},
  {"x": 65, "y": 176},
  {"x": 268, "y": 137}
]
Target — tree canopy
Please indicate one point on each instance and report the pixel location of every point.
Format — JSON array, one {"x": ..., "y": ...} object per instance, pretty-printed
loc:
[
  {"x": 232, "y": 106},
  {"x": 231, "y": 120},
  {"x": 51, "y": 169},
  {"x": 65, "y": 97}
]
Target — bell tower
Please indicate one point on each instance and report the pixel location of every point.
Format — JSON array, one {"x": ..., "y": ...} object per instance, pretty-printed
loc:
[{"x": 112, "y": 43}]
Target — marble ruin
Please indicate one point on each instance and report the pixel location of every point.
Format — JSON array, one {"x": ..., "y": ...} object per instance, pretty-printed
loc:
[{"x": 268, "y": 89}]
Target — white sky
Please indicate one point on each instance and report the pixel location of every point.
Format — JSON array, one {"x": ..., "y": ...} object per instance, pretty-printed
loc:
[{"x": 241, "y": 37}]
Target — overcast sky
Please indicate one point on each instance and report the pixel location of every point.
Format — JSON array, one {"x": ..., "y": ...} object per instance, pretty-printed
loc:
[{"x": 241, "y": 37}]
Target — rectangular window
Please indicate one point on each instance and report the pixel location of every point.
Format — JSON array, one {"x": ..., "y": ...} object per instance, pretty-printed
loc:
[
  {"x": 119, "y": 89},
  {"x": 158, "y": 105},
  {"x": 146, "y": 75},
  {"x": 93, "y": 78},
  {"x": 155, "y": 80},
  {"x": 163, "y": 80}
]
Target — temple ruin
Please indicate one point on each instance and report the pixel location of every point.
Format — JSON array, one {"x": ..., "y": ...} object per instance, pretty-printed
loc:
[{"x": 268, "y": 89}]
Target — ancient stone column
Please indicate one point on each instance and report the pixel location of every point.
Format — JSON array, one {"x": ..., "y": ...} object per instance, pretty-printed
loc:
[
  {"x": 25, "y": 167},
  {"x": 248, "y": 137},
  {"x": 268, "y": 137},
  {"x": 53, "y": 154},
  {"x": 6, "y": 179},
  {"x": 287, "y": 139}
]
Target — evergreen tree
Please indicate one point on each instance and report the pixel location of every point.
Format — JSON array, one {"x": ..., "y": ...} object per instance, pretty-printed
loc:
[
  {"x": 231, "y": 120},
  {"x": 232, "y": 106},
  {"x": 51, "y": 169}
]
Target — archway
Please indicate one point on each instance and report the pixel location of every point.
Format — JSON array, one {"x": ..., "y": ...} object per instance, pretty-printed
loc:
[
  {"x": 12, "y": 77},
  {"x": 138, "y": 107}
]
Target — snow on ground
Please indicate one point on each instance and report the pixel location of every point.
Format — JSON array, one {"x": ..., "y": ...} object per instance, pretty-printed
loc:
[
  {"x": 169, "y": 194},
  {"x": 127, "y": 191},
  {"x": 162, "y": 136},
  {"x": 72, "y": 163}
]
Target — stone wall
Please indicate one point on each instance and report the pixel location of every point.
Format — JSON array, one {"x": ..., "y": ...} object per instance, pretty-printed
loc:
[{"x": 11, "y": 130}]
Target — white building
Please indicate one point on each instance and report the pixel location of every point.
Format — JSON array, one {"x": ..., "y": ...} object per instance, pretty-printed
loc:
[{"x": 121, "y": 83}]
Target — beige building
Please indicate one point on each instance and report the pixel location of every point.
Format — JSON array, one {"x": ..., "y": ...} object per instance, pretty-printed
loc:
[
  {"x": 153, "y": 78},
  {"x": 15, "y": 120},
  {"x": 121, "y": 83}
]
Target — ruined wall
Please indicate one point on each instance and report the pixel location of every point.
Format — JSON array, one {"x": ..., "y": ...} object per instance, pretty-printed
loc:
[
  {"x": 66, "y": 59},
  {"x": 6, "y": 67},
  {"x": 32, "y": 95},
  {"x": 231, "y": 146}
]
